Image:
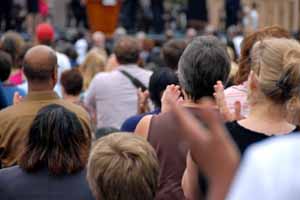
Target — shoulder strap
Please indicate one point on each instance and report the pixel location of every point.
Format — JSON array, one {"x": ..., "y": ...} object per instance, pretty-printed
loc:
[{"x": 137, "y": 83}]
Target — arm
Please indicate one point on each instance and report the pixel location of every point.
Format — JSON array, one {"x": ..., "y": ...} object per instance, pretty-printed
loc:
[
  {"x": 190, "y": 180},
  {"x": 142, "y": 128},
  {"x": 210, "y": 145}
]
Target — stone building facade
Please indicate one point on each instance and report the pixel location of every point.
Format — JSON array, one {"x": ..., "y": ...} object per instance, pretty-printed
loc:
[{"x": 285, "y": 13}]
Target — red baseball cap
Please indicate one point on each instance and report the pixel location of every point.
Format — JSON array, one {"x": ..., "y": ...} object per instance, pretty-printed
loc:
[{"x": 44, "y": 32}]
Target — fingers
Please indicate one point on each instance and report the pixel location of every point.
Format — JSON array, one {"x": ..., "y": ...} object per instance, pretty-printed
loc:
[
  {"x": 238, "y": 110},
  {"x": 17, "y": 98},
  {"x": 171, "y": 93}
]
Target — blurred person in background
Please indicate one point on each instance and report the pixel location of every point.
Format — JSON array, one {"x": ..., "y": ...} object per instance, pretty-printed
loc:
[
  {"x": 3, "y": 101},
  {"x": 172, "y": 51},
  {"x": 197, "y": 15},
  {"x": 99, "y": 41},
  {"x": 5, "y": 70},
  {"x": 12, "y": 43},
  {"x": 79, "y": 12},
  {"x": 53, "y": 169},
  {"x": 6, "y": 11},
  {"x": 72, "y": 85},
  {"x": 113, "y": 94},
  {"x": 32, "y": 15},
  {"x": 45, "y": 36},
  {"x": 159, "y": 81},
  {"x": 95, "y": 62}
]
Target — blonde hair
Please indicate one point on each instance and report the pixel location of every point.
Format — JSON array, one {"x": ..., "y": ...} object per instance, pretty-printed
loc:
[
  {"x": 123, "y": 166},
  {"x": 276, "y": 61},
  {"x": 94, "y": 62}
]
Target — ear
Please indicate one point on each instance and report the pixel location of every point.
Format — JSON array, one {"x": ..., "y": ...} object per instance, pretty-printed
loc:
[
  {"x": 55, "y": 75},
  {"x": 253, "y": 81}
]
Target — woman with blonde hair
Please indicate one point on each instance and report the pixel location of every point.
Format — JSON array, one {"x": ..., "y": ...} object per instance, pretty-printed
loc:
[
  {"x": 273, "y": 92},
  {"x": 94, "y": 62}
]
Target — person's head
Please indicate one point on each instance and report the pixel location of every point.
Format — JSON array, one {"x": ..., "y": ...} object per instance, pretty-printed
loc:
[
  {"x": 99, "y": 39},
  {"x": 104, "y": 131},
  {"x": 12, "y": 43},
  {"x": 57, "y": 141},
  {"x": 127, "y": 50},
  {"x": 45, "y": 34},
  {"x": 40, "y": 68},
  {"x": 72, "y": 82},
  {"x": 247, "y": 44},
  {"x": 190, "y": 34},
  {"x": 202, "y": 64},
  {"x": 123, "y": 166},
  {"x": 159, "y": 81},
  {"x": 5, "y": 66},
  {"x": 276, "y": 77},
  {"x": 172, "y": 51},
  {"x": 94, "y": 63}
]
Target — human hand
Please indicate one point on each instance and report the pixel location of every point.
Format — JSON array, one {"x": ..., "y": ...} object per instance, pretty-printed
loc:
[
  {"x": 143, "y": 103},
  {"x": 171, "y": 93},
  {"x": 211, "y": 148},
  {"x": 222, "y": 104},
  {"x": 17, "y": 98}
]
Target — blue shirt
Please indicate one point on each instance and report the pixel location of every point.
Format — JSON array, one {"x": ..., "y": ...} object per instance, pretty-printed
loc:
[
  {"x": 9, "y": 91},
  {"x": 131, "y": 123},
  {"x": 3, "y": 101}
]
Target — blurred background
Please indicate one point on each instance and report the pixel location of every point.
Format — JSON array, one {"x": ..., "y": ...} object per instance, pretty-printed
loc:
[{"x": 151, "y": 16}]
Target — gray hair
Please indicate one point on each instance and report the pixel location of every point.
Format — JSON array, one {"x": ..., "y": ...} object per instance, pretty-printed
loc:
[{"x": 203, "y": 63}]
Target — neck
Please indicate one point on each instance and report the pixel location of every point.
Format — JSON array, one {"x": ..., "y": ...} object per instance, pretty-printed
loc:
[
  {"x": 195, "y": 104},
  {"x": 267, "y": 118},
  {"x": 267, "y": 112},
  {"x": 71, "y": 98},
  {"x": 39, "y": 87}
]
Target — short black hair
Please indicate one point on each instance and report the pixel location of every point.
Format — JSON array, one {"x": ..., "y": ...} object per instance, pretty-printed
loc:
[
  {"x": 127, "y": 50},
  {"x": 36, "y": 72},
  {"x": 203, "y": 63},
  {"x": 72, "y": 81},
  {"x": 160, "y": 79},
  {"x": 5, "y": 65},
  {"x": 56, "y": 140},
  {"x": 172, "y": 51},
  {"x": 105, "y": 131}
]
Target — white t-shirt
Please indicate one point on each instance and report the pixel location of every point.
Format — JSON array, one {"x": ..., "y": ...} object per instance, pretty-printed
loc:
[
  {"x": 63, "y": 63},
  {"x": 269, "y": 171}
]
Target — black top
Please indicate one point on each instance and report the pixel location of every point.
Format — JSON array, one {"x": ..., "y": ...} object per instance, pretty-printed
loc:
[
  {"x": 244, "y": 137},
  {"x": 17, "y": 184}
]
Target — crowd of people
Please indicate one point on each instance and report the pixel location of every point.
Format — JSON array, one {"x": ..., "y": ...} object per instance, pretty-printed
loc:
[{"x": 84, "y": 116}]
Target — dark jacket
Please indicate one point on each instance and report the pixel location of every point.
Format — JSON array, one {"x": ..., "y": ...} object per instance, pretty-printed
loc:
[{"x": 17, "y": 184}]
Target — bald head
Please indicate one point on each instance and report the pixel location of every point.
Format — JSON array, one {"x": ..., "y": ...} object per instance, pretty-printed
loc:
[{"x": 40, "y": 64}]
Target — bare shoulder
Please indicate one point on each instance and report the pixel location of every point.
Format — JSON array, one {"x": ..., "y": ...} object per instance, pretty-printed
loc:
[{"x": 143, "y": 126}]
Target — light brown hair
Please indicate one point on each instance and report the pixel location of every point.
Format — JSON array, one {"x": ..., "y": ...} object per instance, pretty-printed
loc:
[
  {"x": 123, "y": 166},
  {"x": 94, "y": 62},
  {"x": 247, "y": 44},
  {"x": 276, "y": 63}
]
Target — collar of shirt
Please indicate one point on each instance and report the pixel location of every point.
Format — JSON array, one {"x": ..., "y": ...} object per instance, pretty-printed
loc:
[
  {"x": 122, "y": 67},
  {"x": 40, "y": 96}
]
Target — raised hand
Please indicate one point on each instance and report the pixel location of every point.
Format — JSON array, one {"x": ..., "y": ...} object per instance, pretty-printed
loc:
[
  {"x": 172, "y": 93},
  {"x": 222, "y": 104},
  {"x": 211, "y": 147},
  {"x": 143, "y": 103},
  {"x": 17, "y": 98}
]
